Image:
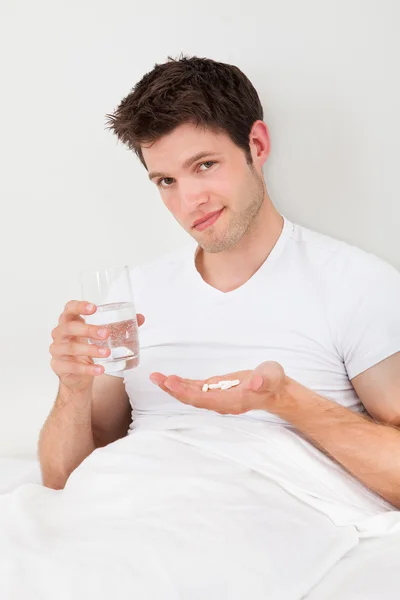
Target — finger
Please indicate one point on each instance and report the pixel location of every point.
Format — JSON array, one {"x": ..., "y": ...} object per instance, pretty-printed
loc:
[
  {"x": 176, "y": 384},
  {"x": 76, "y": 349},
  {"x": 176, "y": 387},
  {"x": 191, "y": 388},
  {"x": 189, "y": 393},
  {"x": 268, "y": 376},
  {"x": 215, "y": 400},
  {"x": 256, "y": 382},
  {"x": 78, "y": 328},
  {"x": 68, "y": 367},
  {"x": 159, "y": 378},
  {"x": 196, "y": 383},
  {"x": 140, "y": 319},
  {"x": 74, "y": 308}
]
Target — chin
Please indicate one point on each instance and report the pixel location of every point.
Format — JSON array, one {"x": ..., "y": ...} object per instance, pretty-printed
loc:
[
  {"x": 218, "y": 238},
  {"x": 215, "y": 245}
]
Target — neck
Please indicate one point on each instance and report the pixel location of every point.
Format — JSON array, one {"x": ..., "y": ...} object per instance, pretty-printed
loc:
[{"x": 231, "y": 268}]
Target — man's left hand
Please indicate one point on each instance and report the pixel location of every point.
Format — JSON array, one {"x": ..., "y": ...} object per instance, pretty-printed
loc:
[{"x": 260, "y": 389}]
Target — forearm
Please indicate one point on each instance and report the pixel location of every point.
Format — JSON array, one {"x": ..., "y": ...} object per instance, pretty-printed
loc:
[
  {"x": 66, "y": 438},
  {"x": 368, "y": 450}
]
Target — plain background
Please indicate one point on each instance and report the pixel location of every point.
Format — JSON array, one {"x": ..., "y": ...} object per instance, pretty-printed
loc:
[{"x": 72, "y": 198}]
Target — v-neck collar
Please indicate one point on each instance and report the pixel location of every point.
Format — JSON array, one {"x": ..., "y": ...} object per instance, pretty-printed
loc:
[{"x": 269, "y": 262}]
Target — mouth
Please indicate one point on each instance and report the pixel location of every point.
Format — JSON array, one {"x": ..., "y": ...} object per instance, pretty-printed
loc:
[{"x": 207, "y": 220}]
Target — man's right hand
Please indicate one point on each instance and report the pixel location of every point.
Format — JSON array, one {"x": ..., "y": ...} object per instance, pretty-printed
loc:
[{"x": 71, "y": 353}]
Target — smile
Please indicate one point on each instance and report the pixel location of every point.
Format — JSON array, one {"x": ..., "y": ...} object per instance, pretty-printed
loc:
[{"x": 207, "y": 221}]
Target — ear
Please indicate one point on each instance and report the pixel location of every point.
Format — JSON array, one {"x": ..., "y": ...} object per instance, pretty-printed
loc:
[{"x": 260, "y": 143}]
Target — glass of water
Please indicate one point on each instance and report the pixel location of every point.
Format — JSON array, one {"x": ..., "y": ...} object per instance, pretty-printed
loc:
[{"x": 110, "y": 290}]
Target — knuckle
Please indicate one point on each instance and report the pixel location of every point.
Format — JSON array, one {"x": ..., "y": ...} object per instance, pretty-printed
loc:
[
  {"x": 70, "y": 367},
  {"x": 70, "y": 329},
  {"x": 69, "y": 306},
  {"x": 78, "y": 369},
  {"x": 54, "y": 333},
  {"x": 74, "y": 368},
  {"x": 70, "y": 348},
  {"x": 91, "y": 350}
]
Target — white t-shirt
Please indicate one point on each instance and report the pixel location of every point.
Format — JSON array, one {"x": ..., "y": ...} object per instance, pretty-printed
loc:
[{"x": 325, "y": 310}]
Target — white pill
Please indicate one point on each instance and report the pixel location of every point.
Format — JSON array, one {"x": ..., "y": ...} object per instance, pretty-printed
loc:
[
  {"x": 235, "y": 382},
  {"x": 214, "y": 386},
  {"x": 205, "y": 387}
]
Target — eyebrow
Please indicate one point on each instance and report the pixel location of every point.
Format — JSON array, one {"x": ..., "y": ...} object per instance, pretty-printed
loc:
[{"x": 188, "y": 163}]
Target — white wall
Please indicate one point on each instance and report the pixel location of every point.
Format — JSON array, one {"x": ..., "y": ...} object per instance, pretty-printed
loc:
[{"x": 327, "y": 73}]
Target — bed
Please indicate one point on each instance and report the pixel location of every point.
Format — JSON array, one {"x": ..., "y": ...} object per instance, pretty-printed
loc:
[
  {"x": 197, "y": 509},
  {"x": 15, "y": 471}
]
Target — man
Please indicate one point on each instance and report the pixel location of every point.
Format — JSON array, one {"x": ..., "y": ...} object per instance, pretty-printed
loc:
[{"x": 308, "y": 324}]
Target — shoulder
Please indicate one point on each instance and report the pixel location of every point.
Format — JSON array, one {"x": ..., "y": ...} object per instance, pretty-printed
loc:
[{"x": 340, "y": 263}]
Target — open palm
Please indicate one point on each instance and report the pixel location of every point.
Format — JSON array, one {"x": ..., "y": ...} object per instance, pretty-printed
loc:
[{"x": 251, "y": 393}]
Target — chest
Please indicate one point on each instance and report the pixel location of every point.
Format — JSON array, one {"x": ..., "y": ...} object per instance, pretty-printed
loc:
[{"x": 199, "y": 337}]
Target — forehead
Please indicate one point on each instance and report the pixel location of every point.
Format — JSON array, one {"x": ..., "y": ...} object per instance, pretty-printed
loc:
[{"x": 174, "y": 149}]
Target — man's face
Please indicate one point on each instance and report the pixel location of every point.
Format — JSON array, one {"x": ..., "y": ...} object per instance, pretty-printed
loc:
[{"x": 203, "y": 175}]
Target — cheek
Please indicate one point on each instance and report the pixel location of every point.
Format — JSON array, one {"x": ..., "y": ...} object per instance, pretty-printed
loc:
[
  {"x": 170, "y": 202},
  {"x": 173, "y": 205},
  {"x": 220, "y": 188}
]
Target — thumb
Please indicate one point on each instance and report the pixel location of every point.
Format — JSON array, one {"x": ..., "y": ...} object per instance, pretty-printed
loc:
[{"x": 268, "y": 376}]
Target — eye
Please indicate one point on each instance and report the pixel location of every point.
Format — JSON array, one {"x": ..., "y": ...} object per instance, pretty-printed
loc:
[
  {"x": 208, "y": 164},
  {"x": 167, "y": 180}
]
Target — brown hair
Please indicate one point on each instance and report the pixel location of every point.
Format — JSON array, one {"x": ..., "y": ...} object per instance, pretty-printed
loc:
[{"x": 207, "y": 93}]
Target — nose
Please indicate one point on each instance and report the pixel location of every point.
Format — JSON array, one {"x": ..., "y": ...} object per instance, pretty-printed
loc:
[{"x": 191, "y": 195}]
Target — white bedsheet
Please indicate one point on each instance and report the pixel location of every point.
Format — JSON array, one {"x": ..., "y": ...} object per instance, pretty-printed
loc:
[
  {"x": 189, "y": 508},
  {"x": 369, "y": 571},
  {"x": 17, "y": 471}
]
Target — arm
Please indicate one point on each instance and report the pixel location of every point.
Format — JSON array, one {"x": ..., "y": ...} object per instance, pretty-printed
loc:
[
  {"x": 92, "y": 409},
  {"x": 369, "y": 450},
  {"x": 363, "y": 307},
  {"x": 78, "y": 423}
]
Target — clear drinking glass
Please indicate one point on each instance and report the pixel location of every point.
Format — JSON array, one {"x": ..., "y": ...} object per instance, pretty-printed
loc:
[{"x": 110, "y": 290}]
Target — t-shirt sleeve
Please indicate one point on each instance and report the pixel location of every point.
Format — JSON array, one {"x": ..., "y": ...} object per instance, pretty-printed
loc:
[{"x": 368, "y": 312}]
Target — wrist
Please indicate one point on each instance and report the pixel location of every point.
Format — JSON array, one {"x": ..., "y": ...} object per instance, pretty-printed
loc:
[
  {"x": 284, "y": 401},
  {"x": 67, "y": 395},
  {"x": 299, "y": 405},
  {"x": 290, "y": 394}
]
